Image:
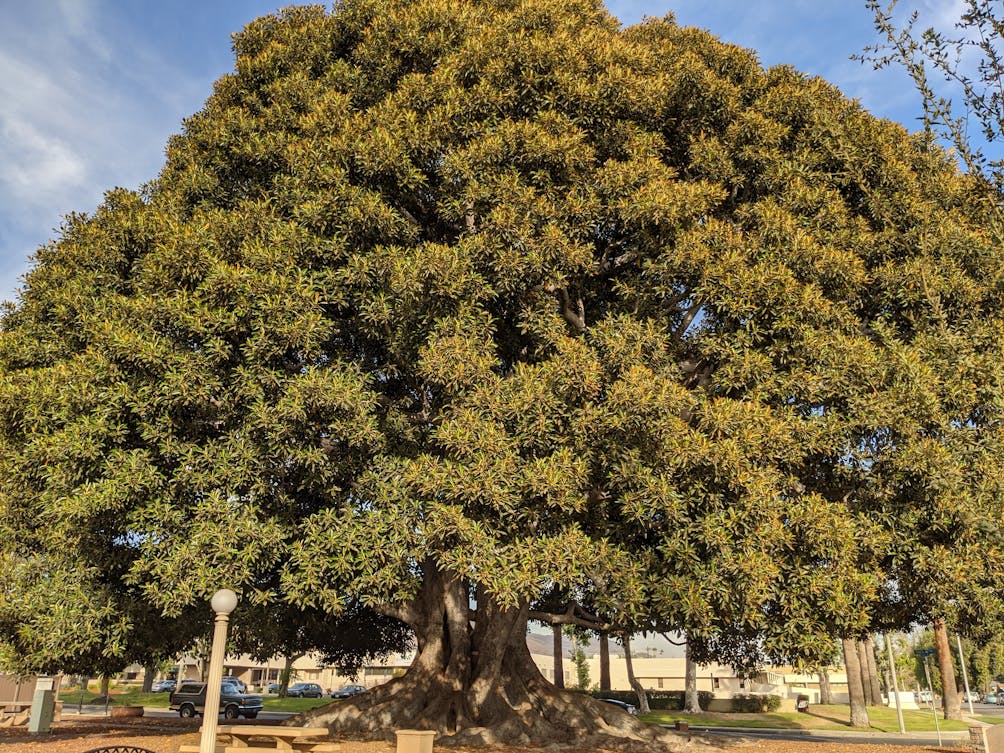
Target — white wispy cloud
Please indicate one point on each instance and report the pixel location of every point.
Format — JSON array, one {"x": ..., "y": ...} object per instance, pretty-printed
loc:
[
  {"x": 87, "y": 104},
  {"x": 944, "y": 14}
]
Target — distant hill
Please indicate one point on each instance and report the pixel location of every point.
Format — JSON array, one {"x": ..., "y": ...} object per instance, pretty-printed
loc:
[{"x": 542, "y": 643}]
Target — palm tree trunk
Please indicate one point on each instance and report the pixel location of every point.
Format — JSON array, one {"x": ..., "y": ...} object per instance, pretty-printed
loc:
[
  {"x": 855, "y": 689},
  {"x": 866, "y": 681},
  {"x": 951, "y": 701},
  {"x": 873, "y": 673},
  {"x": 604, "y": 661},
  {"x": 825, "y": 690},
  {"x": 559, "y": 662},
  {"x": 691, "y": 700}
]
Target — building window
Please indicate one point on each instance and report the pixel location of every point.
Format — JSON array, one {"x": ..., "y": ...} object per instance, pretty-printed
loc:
[
  {"x": 660, "y": 682},
  {"x": 715, "y": 683}
]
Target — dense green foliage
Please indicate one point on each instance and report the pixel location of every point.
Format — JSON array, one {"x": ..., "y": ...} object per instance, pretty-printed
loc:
[{"x": 500, "y": 292}]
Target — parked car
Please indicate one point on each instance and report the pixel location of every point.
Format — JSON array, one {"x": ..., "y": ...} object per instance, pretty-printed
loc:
[
  {"x": 163, "y": 686},
  {"x": 348, "y": 691},
  {"x": 274, "y": 687},
  {"x": 923, "y": 696},
  {"x": 633, "y": 710},
  {"x": 190, "y": 699},
  {"x": 989, "y": 698},
  {"x": 305, "y": 690},
  {"x": 238, "y": 683},
  {"x": 972, "y": 696}
]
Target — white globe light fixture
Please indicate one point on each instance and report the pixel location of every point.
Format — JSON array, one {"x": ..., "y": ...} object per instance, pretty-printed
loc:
[{"x": 224, "y": 601}]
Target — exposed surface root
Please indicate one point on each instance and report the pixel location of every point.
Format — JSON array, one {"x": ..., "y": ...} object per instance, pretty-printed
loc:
[{"x": 544, "y": 717}]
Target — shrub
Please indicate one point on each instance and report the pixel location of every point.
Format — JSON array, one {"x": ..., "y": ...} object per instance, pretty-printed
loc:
[{"x": 755, "y": 704}]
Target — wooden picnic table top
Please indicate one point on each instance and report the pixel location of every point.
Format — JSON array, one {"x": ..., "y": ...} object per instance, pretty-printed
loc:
[{"x": 283, "y": 736}]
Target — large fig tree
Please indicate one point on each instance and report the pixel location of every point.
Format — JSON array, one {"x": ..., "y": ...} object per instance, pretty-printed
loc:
[{"x": 439, "y": 308}]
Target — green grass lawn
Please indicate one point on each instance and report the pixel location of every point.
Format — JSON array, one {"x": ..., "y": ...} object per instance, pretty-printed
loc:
[{"x": 835, "y": 717}]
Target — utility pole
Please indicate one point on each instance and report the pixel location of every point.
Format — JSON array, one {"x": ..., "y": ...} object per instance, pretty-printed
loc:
[
  {"x": 895, "y": 684},
  {"x": 965, "y": 674},
  {"x": 925, "y": 655}
]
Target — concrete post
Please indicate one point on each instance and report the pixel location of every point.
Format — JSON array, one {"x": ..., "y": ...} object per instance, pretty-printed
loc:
[
  {"x": 415, "y": 740},
  {"x": 43, "y": 706}
]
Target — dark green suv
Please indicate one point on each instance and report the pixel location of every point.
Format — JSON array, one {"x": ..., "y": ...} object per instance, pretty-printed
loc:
[{"x": 190, "y": 699}]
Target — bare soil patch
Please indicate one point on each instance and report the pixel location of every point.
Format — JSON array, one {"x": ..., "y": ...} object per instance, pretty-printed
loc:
[{"x": 167, "y": 735}]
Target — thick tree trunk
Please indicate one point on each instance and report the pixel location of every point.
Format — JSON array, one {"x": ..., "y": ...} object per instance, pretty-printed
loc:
[
  {"x": 105, "y": 685},
  {"x": 951, "y": 701},
  {"x": 825, "y": 690},
  {"x": 632, "y": 680},
  {"x": 558, "y": 645},
  {"x": 856, "y": 691},
  {"x": 691, "y": 700},
  {"x": 604, "y": 661},
  {"x": 148, "y": 672},
  {"x": 474, "y": 682},
  {"x": 866, "y": 680},
  {"x": 873, "y": 672}
]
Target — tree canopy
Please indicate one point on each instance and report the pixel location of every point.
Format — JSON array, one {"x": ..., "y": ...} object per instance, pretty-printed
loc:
[{"x": 441, "y": 308}]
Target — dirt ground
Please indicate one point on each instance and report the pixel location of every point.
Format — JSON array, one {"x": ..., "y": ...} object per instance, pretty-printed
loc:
[{"x": 166, "y": 735}]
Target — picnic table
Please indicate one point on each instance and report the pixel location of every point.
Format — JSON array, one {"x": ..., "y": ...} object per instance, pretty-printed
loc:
[
  {"x": 14, "y": 713},
  {"x": 279, "y": 738}
]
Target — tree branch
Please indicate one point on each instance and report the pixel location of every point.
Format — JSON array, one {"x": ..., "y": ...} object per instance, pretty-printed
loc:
[
  {"x": 406, "y": 613},
  {"x": 688, "y": 319},
  {"x": 573, "y": 313},
  {"x": 574, "y": 614}
]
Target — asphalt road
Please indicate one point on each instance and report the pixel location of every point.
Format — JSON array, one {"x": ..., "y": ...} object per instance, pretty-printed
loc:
[{"x": 984, "y": 709}]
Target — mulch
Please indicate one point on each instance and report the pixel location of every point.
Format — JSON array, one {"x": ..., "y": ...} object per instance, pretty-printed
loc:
[{"x": 76, "y": 735}]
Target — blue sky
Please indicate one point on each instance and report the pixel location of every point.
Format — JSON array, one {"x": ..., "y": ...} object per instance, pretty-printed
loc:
[{"x": 90, "y": 90}]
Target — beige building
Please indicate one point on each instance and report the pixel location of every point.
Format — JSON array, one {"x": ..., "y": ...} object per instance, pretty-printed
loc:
[{"x": 654, "y": 673}]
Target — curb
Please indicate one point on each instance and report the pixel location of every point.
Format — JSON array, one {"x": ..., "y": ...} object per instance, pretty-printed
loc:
[{"x": 945, "y": 735}]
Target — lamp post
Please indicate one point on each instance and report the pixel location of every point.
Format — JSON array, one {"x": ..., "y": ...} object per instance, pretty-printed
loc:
[{"x": 224, "y": 601}]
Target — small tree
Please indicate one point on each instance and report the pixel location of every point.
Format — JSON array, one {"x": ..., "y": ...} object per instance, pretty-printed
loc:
[{"x": 578, "y": 657}]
